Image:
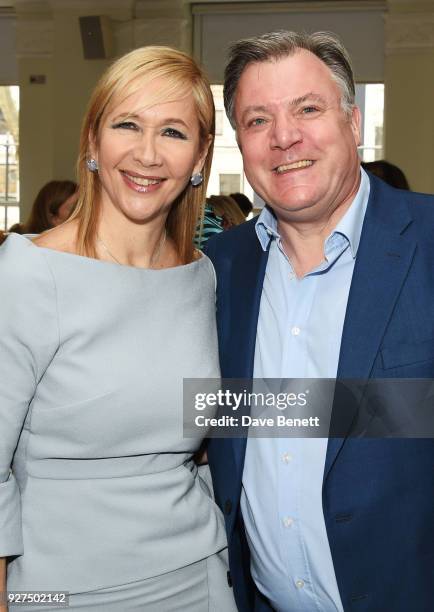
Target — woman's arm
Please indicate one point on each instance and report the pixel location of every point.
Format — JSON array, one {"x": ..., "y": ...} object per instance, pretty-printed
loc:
[
  {"x": 3, "y": 606},
  {"x": 28, "y": 341}
]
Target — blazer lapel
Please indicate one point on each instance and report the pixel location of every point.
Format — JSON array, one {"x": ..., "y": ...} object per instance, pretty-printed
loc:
[
  {"x": 247, "y": 278},
  {"x": 383, "y": 259}
]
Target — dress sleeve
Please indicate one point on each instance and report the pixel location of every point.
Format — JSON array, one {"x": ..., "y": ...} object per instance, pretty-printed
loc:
[{"x": 28, "y": 341}]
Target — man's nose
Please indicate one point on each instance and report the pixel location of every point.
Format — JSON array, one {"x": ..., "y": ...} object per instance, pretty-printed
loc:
[{"x": 286, "y": 132}]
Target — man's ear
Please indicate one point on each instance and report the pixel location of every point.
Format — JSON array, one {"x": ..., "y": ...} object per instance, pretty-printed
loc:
[
  {"x": 238, "y": 139},
  {"x": 356, "y": 122}
]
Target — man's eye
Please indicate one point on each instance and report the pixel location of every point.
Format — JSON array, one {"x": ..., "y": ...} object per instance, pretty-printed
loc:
[
  {"x": 173, "y": 133},
  {"x": 308, "y": 110},
  {"x": 256, "y": 121},
  {"x": 125, "y": 125}
]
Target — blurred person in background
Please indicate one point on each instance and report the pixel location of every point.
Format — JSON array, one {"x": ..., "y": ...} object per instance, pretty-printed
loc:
[
  {"x": 226, "y": 207},
  {"x": 221, "y": 213},
  {"x": 53, "y": 205},
  {"x": 389, "y": 173},
  {"x": 243, "y": 202}
]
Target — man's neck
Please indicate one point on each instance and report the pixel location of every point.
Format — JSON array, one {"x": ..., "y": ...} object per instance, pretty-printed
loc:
[{"x": 303, "y": 242}]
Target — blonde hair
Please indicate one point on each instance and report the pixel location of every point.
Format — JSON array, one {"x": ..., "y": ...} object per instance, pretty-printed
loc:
[
  {"x": 225, "y": 206},
  {"x": 181, "y": 76}
]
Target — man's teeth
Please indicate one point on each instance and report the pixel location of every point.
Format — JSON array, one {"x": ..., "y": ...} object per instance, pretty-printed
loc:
[
  {"x": 300, "y": 164},
  {"x": 143, "y": 182}
]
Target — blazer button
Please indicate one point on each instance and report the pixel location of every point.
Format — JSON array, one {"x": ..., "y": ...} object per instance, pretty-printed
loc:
[
  {"x": 229, "y": 577},
  {"x": 228, "y": 506}
]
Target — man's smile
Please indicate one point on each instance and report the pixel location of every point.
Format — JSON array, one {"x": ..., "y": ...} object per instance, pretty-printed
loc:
[{"x": 303, "y": 163}]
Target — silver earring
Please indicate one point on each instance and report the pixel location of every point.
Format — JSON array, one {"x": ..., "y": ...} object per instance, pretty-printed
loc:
[
  {"x": 92, "y": 164},
  {"x": 196, "y": 179}
]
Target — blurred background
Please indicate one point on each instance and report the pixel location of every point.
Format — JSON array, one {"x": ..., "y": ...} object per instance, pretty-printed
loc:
[{"x": 53, "y": 51}]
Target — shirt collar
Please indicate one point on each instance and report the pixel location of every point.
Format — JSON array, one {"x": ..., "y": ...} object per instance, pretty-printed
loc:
[
  {"x": 351, "y": 223},
  {"x": 349, "y": 226},
  {"x": 266, "y": 227}
]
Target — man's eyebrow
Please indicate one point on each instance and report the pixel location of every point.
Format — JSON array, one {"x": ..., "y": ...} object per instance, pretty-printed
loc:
[
  {"x": 307, "y": 97},
  {"x": 295, "y": 102},
  {"x": 254, "y": 109}
]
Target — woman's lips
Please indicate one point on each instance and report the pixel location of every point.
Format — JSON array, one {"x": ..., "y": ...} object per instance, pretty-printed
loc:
[{"x": 142, "y": 184}]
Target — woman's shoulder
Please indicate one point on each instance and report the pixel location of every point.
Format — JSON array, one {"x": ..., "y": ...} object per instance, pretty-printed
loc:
[
  {"x": 61, "y": 238},
  {"x": 207, "y": 276},
  {"x": 28, "y": 305},
  {"x": 22, "y": 265}
]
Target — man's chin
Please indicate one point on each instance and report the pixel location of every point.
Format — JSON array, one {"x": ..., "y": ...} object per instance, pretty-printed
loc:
[{"x": 293, "y": 207}]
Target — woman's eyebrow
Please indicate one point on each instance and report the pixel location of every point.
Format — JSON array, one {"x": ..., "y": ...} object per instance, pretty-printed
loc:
[
  {"x": 174, "y": 120},
  {"x": 137, "y": 117},
  {"x": 125, "y": 116}
]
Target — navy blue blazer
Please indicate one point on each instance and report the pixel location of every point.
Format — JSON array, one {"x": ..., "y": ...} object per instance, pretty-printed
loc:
[{"x": 378, "y": 495}]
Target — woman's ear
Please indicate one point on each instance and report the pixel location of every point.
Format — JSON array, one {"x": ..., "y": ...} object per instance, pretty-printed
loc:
[
  {"x": 202, "y": 155},
  {"x": 92, "y": 148}
]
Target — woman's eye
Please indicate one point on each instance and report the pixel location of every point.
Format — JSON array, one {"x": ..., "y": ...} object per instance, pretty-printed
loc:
[
  {"x": 126, "y": 125},
  {"x": 173, "y": 133}
]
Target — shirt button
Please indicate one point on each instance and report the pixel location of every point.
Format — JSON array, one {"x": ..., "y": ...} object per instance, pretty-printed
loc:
[
  {"x": 299, "y": 584},
  {"x": 295, "y": 331},
  {"x": 286, "y": 457},
  {"x": 287, "y": 521}
]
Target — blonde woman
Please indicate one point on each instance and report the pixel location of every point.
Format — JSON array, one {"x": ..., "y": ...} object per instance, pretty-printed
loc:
[{"x": 100, "y": 496}]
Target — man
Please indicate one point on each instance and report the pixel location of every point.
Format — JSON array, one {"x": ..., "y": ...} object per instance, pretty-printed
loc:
[{"x": 334, "y": 279}]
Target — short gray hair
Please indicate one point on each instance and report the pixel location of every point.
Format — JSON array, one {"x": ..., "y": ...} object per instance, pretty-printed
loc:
[{"x": 277, "y": 45}]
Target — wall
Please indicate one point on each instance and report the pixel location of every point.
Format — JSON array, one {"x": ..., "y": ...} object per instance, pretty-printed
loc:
[
  {"x": 409, "y": 90},
  {"x": 49, "y": 43},
  {"x": 8, "y": 63},
  {"x": 216, "y": 26}
]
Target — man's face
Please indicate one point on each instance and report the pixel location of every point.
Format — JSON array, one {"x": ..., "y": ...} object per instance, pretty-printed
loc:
[{"x": 298, "y": 146}]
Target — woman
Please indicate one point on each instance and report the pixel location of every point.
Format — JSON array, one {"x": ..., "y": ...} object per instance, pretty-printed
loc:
[
  {"x": 53, "y": 205},
  {"x": 221, "y": 213},
  {"x": 113, "y": 510}
]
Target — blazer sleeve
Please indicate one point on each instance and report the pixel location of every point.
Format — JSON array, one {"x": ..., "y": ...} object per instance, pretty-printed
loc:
[{"x": 28, "y": 340}]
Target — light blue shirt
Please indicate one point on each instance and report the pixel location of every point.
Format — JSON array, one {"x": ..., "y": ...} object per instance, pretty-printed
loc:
[{"x": 299, "y": 335}]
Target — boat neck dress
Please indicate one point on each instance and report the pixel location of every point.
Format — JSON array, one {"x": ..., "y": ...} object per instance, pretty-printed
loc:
[{"x": 103, "y": 491}]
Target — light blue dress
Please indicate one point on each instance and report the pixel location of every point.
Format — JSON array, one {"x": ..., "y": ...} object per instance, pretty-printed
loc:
[{"x": 103, "y": 490}]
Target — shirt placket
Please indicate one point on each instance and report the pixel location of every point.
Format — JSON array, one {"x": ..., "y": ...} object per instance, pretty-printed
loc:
[{"x": 299, "y": 300}]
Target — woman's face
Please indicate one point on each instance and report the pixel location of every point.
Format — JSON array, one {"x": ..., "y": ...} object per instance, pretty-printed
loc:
[
  {"x": 65, "y": 210},
  {"x": 146, "y": 152}
]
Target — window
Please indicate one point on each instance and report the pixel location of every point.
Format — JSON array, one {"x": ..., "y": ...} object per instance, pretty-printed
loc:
[
  {"x": 227, "y": 174},
  {"x": 219, "y": 119},
  {"x": 370, "y": 99},
  {"x": 9, "y": 163},
  {"x": 229, "y": 183}
]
